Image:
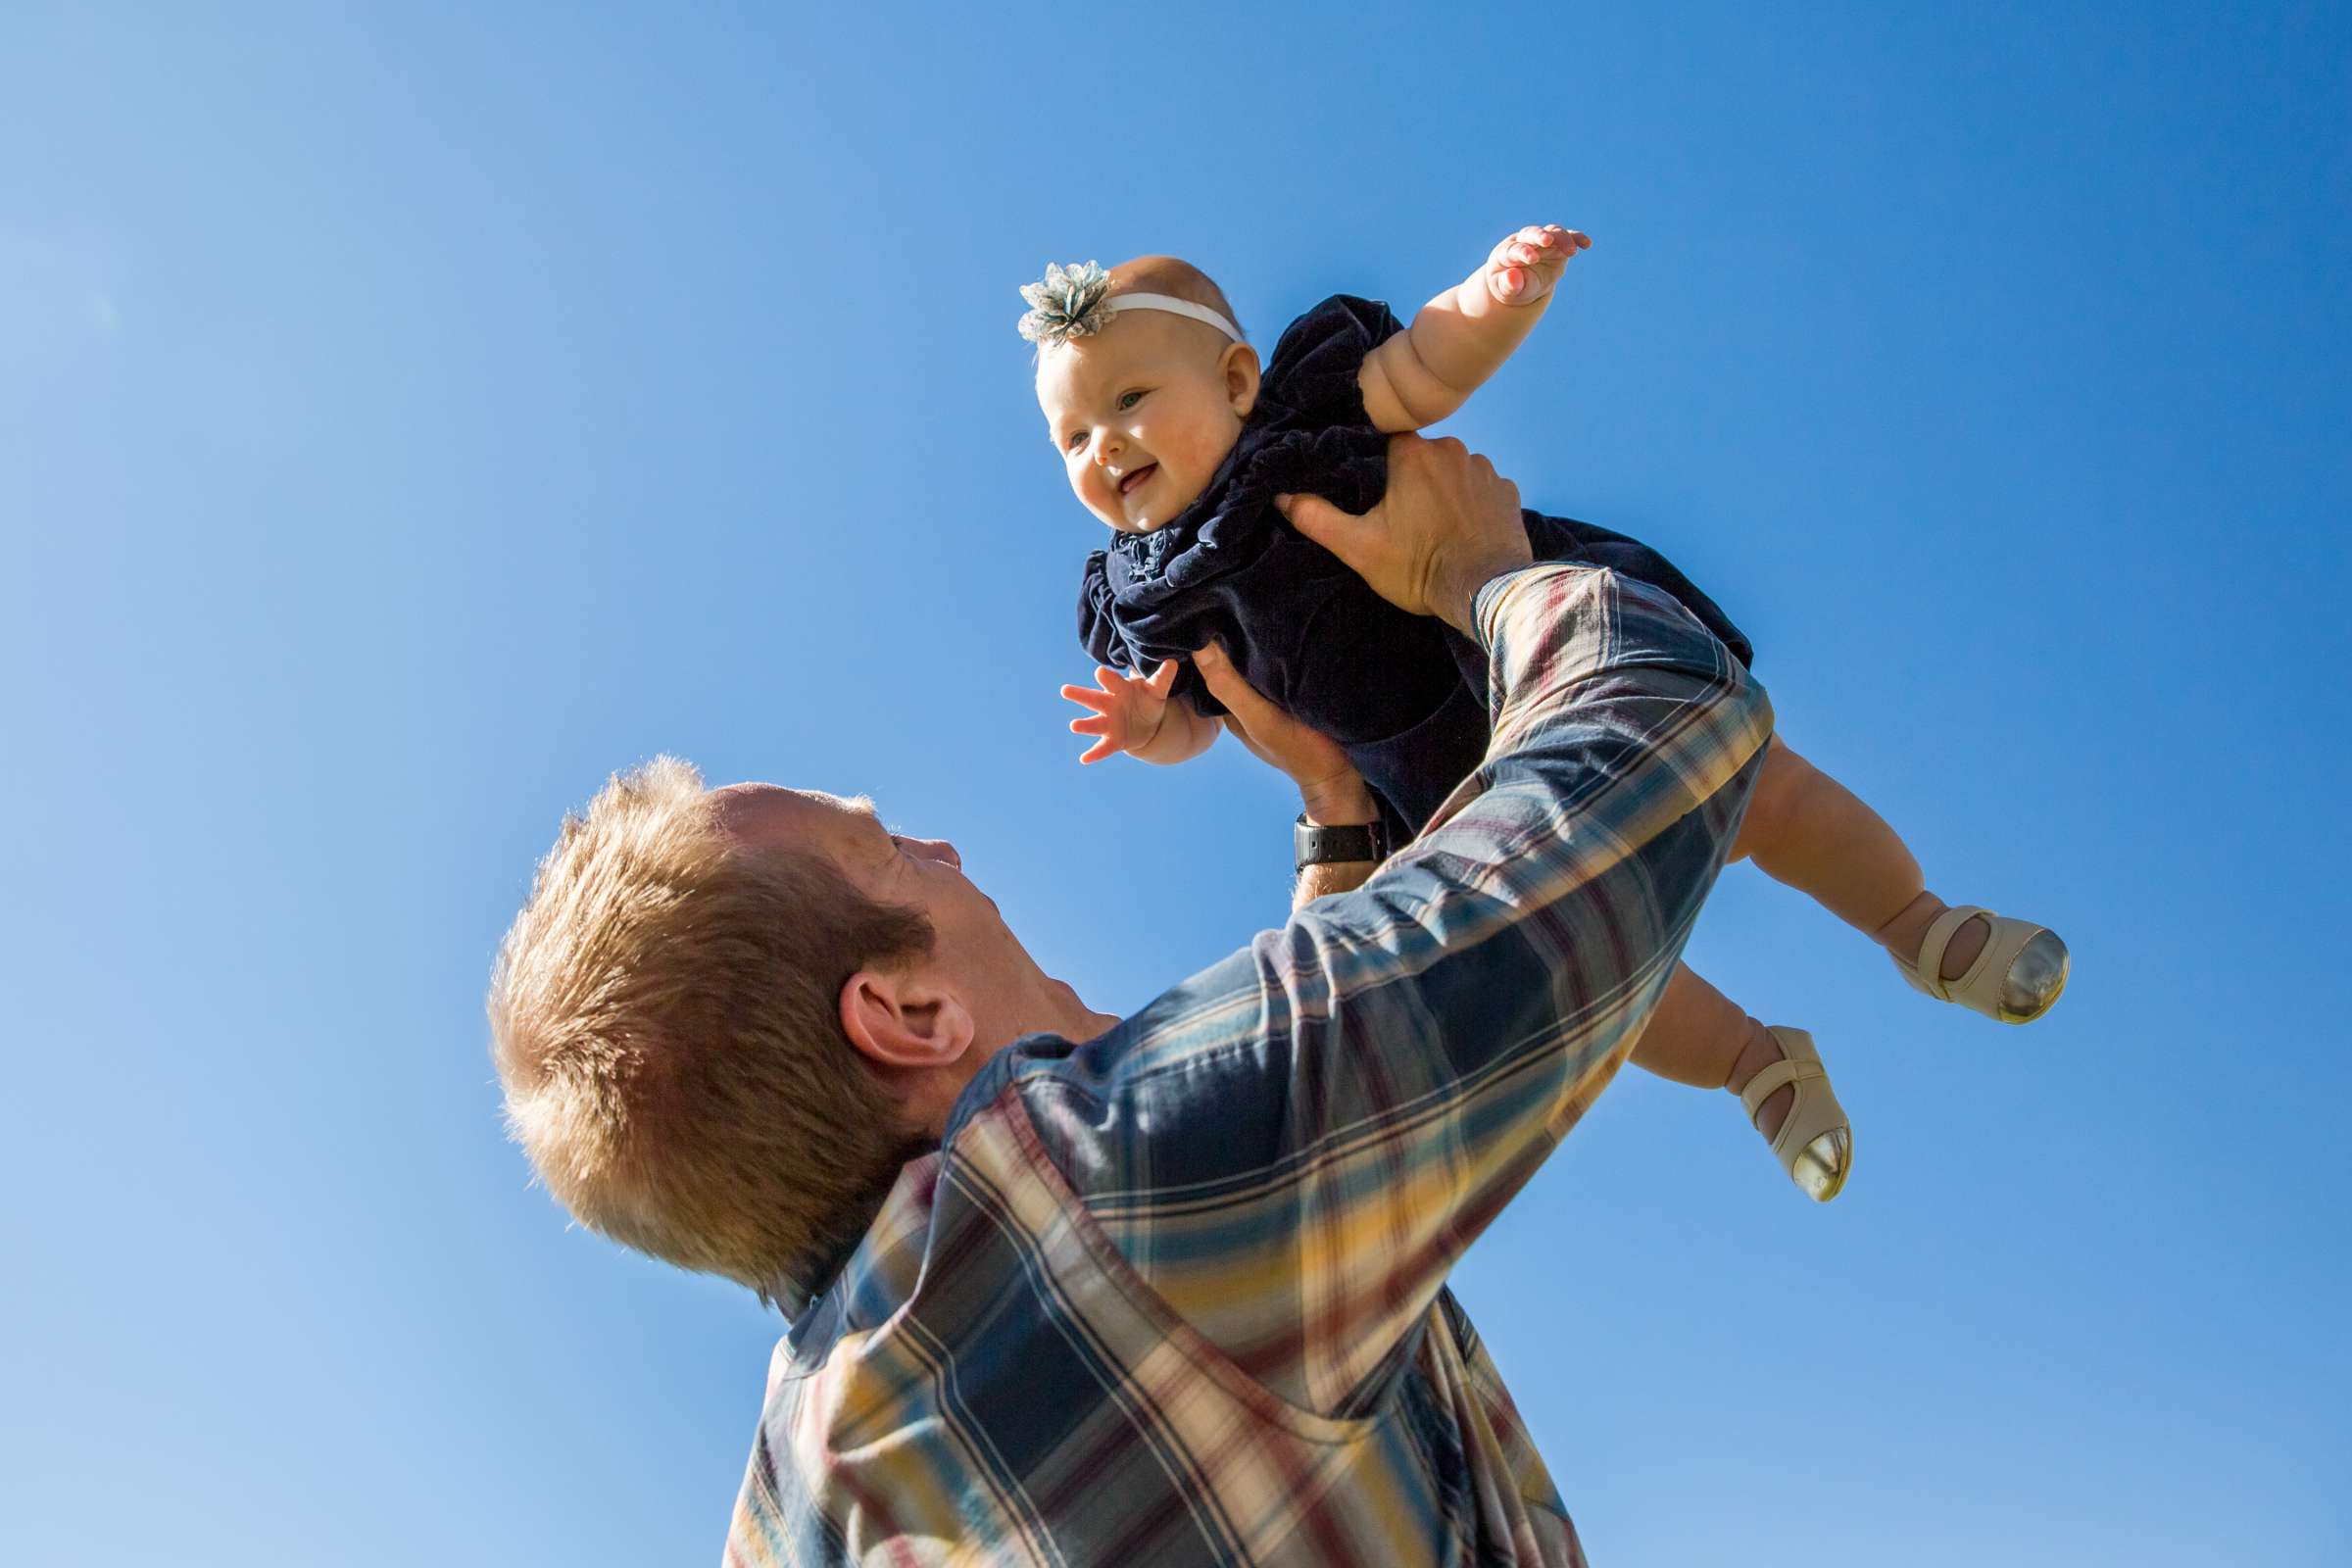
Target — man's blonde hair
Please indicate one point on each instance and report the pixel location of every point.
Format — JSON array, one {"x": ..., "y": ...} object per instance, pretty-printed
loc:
[{"x": 663, "y": 1014}]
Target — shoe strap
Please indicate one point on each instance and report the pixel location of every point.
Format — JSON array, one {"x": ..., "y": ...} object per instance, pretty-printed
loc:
[
  {"x": 1799, "y": 1062},
  {"x": 1928, "y": 973},
  {"x": 1812, "y": 1110}
]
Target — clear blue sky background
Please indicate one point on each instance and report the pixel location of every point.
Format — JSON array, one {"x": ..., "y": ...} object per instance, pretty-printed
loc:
[{"x": 410, "y": 414}]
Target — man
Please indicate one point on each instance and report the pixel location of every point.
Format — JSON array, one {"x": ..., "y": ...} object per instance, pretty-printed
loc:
[{"x": 1073, "y": 1288}]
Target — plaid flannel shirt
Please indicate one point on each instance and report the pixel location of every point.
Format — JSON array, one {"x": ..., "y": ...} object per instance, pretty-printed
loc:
[{"x": 1177, "y": 1295}]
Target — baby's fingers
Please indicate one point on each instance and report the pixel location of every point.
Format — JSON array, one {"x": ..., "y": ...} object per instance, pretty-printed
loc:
[
  {"x": 1550, "y": 244},
  {"x": 1089, "y": 696},
  {"x": 1101, "y": 727},
  {"x": 1551, "y": 236}
]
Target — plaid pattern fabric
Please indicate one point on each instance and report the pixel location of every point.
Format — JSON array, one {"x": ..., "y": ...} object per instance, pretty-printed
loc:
[{"x": 1176, "y": 1295}]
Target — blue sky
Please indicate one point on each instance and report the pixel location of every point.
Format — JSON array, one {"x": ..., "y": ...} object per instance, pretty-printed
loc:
[{"x": 411, "y": 413}]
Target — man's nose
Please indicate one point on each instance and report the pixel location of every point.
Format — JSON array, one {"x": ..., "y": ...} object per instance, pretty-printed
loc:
[{"x": 937, "y": 850}]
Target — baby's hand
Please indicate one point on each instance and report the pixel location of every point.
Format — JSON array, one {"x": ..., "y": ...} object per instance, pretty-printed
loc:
[
  {"x": 1127, "y": 710},
  {"x": 1524, "y": 267}
]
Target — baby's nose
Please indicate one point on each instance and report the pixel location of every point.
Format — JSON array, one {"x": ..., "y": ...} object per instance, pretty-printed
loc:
[{"x": 1106, "y": 446}]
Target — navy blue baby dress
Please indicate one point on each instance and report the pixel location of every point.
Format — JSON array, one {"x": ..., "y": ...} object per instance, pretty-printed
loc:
[{"x": 1405, "y": 696}]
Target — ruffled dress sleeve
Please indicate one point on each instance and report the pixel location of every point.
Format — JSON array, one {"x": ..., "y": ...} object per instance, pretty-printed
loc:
[
  {"x": 1096, "y": 630},
  {"x": 1312, "y": 374},
  {"x": 1309, "y": 433}
]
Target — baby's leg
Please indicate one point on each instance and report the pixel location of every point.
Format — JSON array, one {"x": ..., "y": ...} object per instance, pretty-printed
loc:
[
  {"x": 1806, "y": 829},
  {"x": 1701, "y": 1036}
]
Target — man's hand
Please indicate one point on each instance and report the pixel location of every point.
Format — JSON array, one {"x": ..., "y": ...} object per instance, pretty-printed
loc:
[
  {"x": 1525, "y": 267},
  {"x": 1128, "y": 710},
  {"x": 1330, "y": 789},
  {"x": 1447, "y": 524}
]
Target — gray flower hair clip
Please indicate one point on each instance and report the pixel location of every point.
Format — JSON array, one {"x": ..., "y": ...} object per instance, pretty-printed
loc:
[{"x": 1067, "y": 302}]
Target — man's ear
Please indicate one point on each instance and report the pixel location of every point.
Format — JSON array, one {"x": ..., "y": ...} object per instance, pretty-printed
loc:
[
  {"x": 904, "y": 1021},
  {"x": 1240, "y": 369}
]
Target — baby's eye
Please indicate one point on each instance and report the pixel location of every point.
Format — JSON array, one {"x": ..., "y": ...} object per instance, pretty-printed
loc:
[
  {"x": 1077, "y": 439},
  {"x": 1128, "y": 400}
]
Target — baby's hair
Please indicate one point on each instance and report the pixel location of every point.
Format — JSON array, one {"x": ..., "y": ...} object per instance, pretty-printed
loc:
[{"x": 1172, "y": 276}]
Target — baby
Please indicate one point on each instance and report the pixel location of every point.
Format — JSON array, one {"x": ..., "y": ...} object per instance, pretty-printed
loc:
[{"x": 1171, "y": 434}]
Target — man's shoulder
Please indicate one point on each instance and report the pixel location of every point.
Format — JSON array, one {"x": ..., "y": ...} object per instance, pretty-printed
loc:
[{"x": 1173, "y": 1094}]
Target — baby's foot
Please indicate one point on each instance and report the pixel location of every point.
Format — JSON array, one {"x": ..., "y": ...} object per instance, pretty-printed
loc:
[
  {"x": 1523, "y": 269},
  {"x": 2010, "y": 970},
  {"x": 1780, "y": 1081}
]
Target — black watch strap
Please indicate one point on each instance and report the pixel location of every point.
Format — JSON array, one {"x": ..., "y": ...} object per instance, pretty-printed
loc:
[{"x": 1322, "y": 844}]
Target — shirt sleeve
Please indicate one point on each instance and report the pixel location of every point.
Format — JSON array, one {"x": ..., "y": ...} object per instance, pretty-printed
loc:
[{"x": 1294, "y": 1147}]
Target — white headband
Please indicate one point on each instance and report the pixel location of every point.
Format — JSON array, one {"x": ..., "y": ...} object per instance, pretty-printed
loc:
[
  {"x": 1076, "y": 301},
  {"x": 1174, "y": 307}
]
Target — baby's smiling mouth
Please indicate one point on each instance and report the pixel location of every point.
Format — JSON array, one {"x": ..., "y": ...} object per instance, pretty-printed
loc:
[{"x": 1127, "y": 485}]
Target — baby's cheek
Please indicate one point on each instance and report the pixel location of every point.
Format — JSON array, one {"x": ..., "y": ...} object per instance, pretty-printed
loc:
[{"x": 1204, "y": 450}]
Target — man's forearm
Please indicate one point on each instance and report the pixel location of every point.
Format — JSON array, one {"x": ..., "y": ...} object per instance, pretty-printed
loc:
[
  {"x": 1342, "y": 801},
  {"x": 1421, "y": 1042},
  {"x": 1521, "y": 695},
  {"x": 1398, "y": 1059},
  {"x": 1332, "y": 876}
]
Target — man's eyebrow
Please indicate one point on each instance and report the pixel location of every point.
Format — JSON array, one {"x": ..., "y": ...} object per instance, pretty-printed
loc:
[{"x": 863, "y": 806}]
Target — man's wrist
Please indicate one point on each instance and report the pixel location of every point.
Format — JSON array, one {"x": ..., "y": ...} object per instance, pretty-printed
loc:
[
  {"x": 1346, "y": 805},
  {"x": 1458, "y": 606},
  {"x": 1339, "y": 844}
]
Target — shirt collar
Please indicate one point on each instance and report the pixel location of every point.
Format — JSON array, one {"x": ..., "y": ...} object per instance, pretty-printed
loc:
[{"x": 805, "y": 1280}]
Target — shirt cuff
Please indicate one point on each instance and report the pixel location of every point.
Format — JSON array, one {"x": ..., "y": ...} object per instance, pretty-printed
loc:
[{"x": 1486, "y": 605}]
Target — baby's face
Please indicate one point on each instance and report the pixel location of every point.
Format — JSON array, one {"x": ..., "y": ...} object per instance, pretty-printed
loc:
[{"x": 1143, "y": 413}]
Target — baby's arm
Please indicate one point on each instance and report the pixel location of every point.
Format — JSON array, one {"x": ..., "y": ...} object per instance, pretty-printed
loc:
[
  {"x": 1135, "y": 716},
  {"x": 1461, "y": 337}
]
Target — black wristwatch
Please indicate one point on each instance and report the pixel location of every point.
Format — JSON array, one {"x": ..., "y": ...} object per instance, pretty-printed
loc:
[{"x": 1318, "y": 844}]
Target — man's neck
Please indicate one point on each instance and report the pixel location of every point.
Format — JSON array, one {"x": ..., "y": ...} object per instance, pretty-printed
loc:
[
  {"x": 1060, "y": 1011},
  {"x": 1063, "y": 1015}
]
